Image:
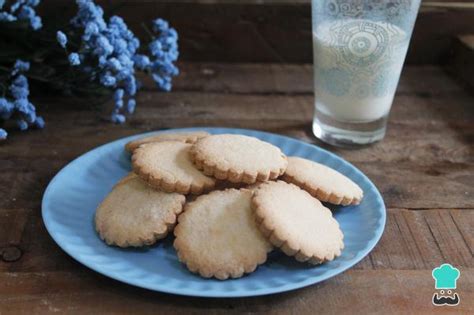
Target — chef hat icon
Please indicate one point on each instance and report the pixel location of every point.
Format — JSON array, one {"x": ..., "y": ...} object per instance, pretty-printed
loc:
[{"x": 445, "y": 276}]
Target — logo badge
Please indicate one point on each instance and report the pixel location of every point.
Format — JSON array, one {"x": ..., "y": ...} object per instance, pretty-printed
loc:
[{"x": 445, "y": 277}]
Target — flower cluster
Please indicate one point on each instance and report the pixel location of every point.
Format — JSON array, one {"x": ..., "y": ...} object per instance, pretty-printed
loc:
[
  {"x": 15, "y": 103},
  {"x": 108, "y": 51},
  {"x": 21, "y": 10},
  {"x": 164, "y": 49},
  {"x": 102, "y": 55}
]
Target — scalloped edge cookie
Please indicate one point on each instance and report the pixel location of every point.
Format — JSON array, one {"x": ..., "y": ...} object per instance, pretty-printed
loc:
[
  {"x": 322, "y": 182},
  {"x": 210, "y": 226},
  {"x": 187, "y": 137},
  {"x": 167, "y": 166},
  {"x": 130, "y": 200},
  {"x": 238, "y": 158},
  {"x": 288, "y": 215}
]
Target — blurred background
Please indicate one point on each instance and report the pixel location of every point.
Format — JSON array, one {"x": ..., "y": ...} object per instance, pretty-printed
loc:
[
  {"x": 270, "y": 30},
  {"x": 280, "y": 30}
]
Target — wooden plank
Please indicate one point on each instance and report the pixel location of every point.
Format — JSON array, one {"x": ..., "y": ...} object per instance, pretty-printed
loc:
[
  {"x": 424, "y": 239},
  {"x": 257, "y": 31},
  {"x": 426, "y": 161},
  {"x": 355, "y": 291},
  {"x": 413, "y": 240},
  {"x": 290, "y": 79},
  {"x": 465, "y": 226},
  {"x": 402, "y": 186},
  {"x": 427, "y": 141}
]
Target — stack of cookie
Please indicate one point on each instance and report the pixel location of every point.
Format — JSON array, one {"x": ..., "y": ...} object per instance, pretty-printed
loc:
[{"x": 224, "y": 194}]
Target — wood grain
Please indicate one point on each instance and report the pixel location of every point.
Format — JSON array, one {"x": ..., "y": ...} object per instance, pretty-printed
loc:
[
  {"x": 413, "y": 240},
  {"x": 424, "y": 169},
  {"x": 353, "y": 292},
  {"x": 254, "y": 78},
  {"x": 429, "y": 140}
]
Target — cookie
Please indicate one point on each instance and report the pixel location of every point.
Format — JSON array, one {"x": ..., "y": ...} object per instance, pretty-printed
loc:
[
  {"x": 167, "y": 166},
  {"x": 134, "y": 214},
  {"x": 322, "y": 182},
  {"x": 238, "y": 158},
  {"x": 217, "y": 236},
  {"x": 297, "y": 223},
  {"x": 187, "y": 137},
  {"x": 126, "y": 178}
]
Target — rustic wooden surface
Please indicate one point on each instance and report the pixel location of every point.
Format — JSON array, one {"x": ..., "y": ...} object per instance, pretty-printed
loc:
[
  {"x": 266, "y": 30},
  {"x": 424, "y": 169}
]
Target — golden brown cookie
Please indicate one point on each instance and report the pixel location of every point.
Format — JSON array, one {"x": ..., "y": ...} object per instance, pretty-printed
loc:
[
  {"x": 126, "y": 178},
  {"x": 297, "y": 223},
  {"x": 238, "y": 158},
  {"x": 134, "y": 214},
  {"x": 167, "y": 166},
  {"x": 217, "y": 236},
  {"x": 322, "y": 182},
  {"x": 187, "y": 137}
]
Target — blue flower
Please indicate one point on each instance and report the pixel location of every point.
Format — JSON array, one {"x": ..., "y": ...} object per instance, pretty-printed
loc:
[
  {"x": 87, "y": 12},
  {"x": 39, "y": 122},
  {"x": 119, "y": 45},
  {"x": 118, "y": 95},
  {"x": 7, "y": 17},
  {"x": 116, "y": 22},
  {"x": 117, "y": 118},
  {"x": 61, "y": 38},
  {"x": 103, "y": 47},
  {"x": 131, "y": 85},
  {"x": 19, "y": 106},
  {"x": 141, "y": 61},
  {"x": 33, "y": 3},
  {"x": 36, "y": 23},
  {"x": 126, "y": 61},
  {"x": 114, "y": 64},
  {"x": 110, "y": 48},
  {"x": 30, "y": 116},
  {"x": 24, "y": 11},
  {"x": 102, "y": 61},
  {"x": 91, "y": 30},
  {"x": 156, "y": 48},
  {"x": 15, "y": 6},
  {"x": 19, "y": 87},
  {"x": 74, "y": 59},
  {"x": 131, "y": 106},
  {"x": 164, "y": 83},
  {"x": 118, "y": 98},
  {"x": 6, "y": 109},
  {"x": 165, "y": 50},
  {"x": 3, "y": 134},
  {"x": 108, "y": 80},
  {"x": 160, "y": 25},
  {"x": 22, "y": 125},
  {"x": 20, "y": 66},
  {"x": 124, "y": 74}
]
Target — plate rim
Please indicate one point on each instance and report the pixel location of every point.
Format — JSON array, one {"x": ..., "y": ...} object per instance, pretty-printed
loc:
[{"x": 212, "y": 293}]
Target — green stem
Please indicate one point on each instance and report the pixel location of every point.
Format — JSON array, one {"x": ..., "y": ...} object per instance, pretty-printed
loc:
[{"x": 147, "y": 30}]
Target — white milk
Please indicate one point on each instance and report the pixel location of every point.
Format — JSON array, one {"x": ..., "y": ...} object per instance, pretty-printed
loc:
[{"x": 357, "y": 64}]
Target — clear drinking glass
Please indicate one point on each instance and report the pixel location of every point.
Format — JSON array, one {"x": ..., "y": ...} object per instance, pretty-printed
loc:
[{"x": 359, "y": 50}]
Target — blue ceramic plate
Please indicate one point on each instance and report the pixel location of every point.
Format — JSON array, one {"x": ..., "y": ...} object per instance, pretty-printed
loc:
[{"x": 71, "y": 198}]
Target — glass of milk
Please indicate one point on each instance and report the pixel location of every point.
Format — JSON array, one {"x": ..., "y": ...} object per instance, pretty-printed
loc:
[{"x": 359, "y": 50}]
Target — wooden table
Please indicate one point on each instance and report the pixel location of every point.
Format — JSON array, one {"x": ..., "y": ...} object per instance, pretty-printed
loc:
[{"x": 424, "y": 169}]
